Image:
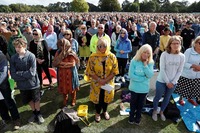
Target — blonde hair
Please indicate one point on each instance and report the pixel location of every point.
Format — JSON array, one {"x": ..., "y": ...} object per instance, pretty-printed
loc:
[
  {"x": 39, "y": 32},
  {"x": 143, "y": 48},
  {"x": 195, "y": 41},
  {"x": 168, "y": 47}
]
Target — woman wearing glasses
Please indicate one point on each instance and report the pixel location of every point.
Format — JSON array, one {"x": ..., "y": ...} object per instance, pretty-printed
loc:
[
  {"x": 68, "y": 35},
  {"x": 16, "y": 33},
  {"x": 38, "y": 46},
  {"x": 171, "y": 66},
  {"x": 101, "y": 68},
  {"x": 123, "y": 47},
  {"x": 188, "y": 83}
]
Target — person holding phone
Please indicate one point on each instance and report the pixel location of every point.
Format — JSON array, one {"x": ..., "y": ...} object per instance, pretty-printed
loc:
[{"x": 140, "y": 72}]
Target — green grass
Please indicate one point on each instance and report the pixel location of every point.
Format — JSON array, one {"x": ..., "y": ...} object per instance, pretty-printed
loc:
[{"x": 52, "y": 101}]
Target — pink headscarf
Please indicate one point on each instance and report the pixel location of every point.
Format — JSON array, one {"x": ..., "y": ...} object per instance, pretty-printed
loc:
[{"x": 49, "y": 32}]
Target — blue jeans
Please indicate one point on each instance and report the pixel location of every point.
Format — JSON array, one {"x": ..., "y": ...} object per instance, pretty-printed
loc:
[
  {"x": 136, "y": 105},
  {"x": 161, "y": 88}
]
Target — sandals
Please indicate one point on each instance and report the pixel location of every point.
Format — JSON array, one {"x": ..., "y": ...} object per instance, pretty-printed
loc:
[
  {"x": 107, "y": 116},
  {"x": 192, "y": 102},
  {"x": 97, "y": 118},
  {"x": 181, "y": 102}
]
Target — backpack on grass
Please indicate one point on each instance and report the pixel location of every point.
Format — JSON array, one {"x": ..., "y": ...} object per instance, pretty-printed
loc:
[{"x": 64, "y": 124}]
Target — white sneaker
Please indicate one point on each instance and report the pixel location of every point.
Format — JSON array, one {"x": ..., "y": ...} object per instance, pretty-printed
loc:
[
  {"x": 162, "y": 116},
  {"x": 123, "y": 79},
  {"x": 155, "y": 117},
  {"x": 118, "y": 78}
]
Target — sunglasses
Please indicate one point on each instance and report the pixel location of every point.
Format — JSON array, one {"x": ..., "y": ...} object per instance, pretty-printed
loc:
[
  {"x": 122, "y": 33},
  {"x": 35, "y": 34},
  {"x": 100, "y": 27},
  {"x": 13, "y": 30},
  {"x": 102, "y": 46},
  {"x": 66, "y": 34}
]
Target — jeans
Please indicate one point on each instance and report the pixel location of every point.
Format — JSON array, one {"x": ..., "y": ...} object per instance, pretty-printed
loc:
[
  {"x": 161, "y": 88},
  {"x": 136, "y": 105},
  {"x": 11, "y": 106}
]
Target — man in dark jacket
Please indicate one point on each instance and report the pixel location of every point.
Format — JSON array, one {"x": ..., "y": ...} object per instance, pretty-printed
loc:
[
  {"x": 6, "y": 92},
  {"x": 152, "y": 37}
]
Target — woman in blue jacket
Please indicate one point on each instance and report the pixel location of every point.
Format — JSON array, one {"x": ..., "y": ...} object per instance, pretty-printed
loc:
[
  {"x": 140, "y": 72},
  {"x": 123, "y": 47}
]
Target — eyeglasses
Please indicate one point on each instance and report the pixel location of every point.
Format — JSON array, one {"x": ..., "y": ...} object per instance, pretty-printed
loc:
[
  {"x": 35, "y": 34},
  {"x": 12, "y": 30},
  {"x": 100, "y": 27},
  {"x": 102, "y": 46}
]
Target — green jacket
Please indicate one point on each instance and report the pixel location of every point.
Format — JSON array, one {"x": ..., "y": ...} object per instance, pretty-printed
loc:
[
  {"x": 94, "y": 40},
  {"x": 11, "y": 48}
]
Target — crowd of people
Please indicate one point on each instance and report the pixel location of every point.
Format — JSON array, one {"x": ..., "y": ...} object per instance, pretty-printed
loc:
[{"x": 102, "y": 44}]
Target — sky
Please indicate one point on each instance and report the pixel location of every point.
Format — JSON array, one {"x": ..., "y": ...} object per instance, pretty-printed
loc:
[{"x": 46, "y": 2}]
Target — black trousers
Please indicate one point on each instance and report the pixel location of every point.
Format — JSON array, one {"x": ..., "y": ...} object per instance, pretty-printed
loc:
[
  {"x": 44, "y": 66},
  {"x": 52, "y": 54},
  {"x": 8, "y": 104},
  {"x": 122, "y": 65},
  {"x": 102, "y": 104}
]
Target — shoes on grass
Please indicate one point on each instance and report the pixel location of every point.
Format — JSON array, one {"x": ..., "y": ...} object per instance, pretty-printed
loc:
[
  {"x": 32, "y": 118},
  {"x": 40, "y": 119},
  {"x": 97, "y": 118},
  {"x": 162, "y": 116},
  {"x": 155, "y": 116},
  {"x": 107, "y": 116},
  {"x": 17, "y": 124}
]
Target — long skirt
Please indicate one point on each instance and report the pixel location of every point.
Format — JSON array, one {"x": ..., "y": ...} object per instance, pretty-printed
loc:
[{"x": 188, "y": 88}]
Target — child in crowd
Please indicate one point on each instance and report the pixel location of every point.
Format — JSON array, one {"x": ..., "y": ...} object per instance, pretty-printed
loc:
[{"x": 23, "y": 71}]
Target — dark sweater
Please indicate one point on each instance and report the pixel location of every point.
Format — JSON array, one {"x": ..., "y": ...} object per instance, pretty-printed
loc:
[{"x": 23, "y": 71}]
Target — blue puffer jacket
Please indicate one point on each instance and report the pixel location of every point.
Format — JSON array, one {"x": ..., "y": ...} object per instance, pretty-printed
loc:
[{"x": 123, "y": 43}]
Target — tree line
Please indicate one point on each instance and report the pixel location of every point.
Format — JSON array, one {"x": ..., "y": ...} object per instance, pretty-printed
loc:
[{"x": 107, "y": 6}]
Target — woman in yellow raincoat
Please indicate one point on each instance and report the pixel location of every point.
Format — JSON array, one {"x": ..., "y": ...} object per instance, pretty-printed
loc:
[{"x": 101, "y": 68}]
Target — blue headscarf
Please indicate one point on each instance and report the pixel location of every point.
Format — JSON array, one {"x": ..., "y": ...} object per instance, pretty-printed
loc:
[{"x": 125, "y": 38}]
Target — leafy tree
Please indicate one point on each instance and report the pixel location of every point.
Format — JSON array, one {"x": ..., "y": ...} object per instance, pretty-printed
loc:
[
  {"x": 5, "y": 8},
  {"x": 79, "y": 6},
  {"x": 168, "y": 7},
  {"x": 134, "y": 7},
  {"x": 126, "y": 6},
  {"x": 182, "y": 6},
  {"x": 93, "y": 8},
  {"x": 146, "y": 6},
  {"x": 109, "y": 5},
  {"x": 20, "y": 7},
  {"x": 56, "y": 7}
]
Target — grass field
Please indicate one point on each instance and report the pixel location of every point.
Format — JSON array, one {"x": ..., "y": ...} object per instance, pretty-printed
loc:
[{"x": 52, "y": 101}]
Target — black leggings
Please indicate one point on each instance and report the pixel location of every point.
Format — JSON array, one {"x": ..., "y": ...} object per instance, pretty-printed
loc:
[
  {"x": 45, "y": 67},
  {"x": 102, "y": 104},
  {"x": 122, "y": 65}
]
